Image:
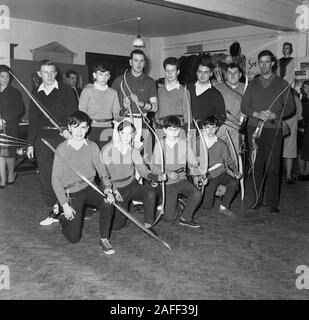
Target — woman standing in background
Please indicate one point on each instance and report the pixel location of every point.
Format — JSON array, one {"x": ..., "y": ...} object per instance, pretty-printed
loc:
[{"x": 11, "y": 109}]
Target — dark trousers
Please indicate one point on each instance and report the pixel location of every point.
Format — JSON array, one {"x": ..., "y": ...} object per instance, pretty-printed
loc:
[
  {"x": 272, "y": 178},
  {"x": 72, "y": 229},
  {"x": 225, "y": 179},
  {"x": 138, "y": 192},
  {"x": 173, "y": 191},
  {"x": 101, "y": 136},
  {"x": 45, "y": 159}
]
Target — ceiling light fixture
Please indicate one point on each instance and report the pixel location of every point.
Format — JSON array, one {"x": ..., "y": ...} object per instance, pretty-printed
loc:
[{"x": 138, "y": 41}]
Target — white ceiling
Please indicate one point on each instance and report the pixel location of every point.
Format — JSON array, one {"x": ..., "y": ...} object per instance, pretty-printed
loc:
[{"x": 117, "y": 16}]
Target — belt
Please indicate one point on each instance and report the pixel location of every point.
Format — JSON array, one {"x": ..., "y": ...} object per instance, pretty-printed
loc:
[
  {"x": 49, "y": 128},
  {"x": 74, "y": 184},
  {"x": 101, "y": 120},
  {"x": 122, "y": 179},
  {"x": 136, "y": 115}
]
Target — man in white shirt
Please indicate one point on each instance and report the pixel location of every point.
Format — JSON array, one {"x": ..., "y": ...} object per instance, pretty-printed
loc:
[
  {"x": 58, "y": 99},
  {"x": 205, "y": 99}
]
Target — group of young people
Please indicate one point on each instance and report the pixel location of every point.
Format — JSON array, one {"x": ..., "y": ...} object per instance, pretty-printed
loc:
[{"x": 105, "y": 133}]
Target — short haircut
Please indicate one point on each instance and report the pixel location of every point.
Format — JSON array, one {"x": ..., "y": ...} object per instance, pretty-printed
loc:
[
  {"x": 205, "y": 62},
  {"x": 7, "y": 69},
  {"x": 171, "y": 61},
  {"x": 266, "y": 53},
  {"x": 290, "y": 45},
  {"x": 171, "y": 121},
  {"x": 47, "y": 63},
  {"x": 77, "y": 117},
  {"x": 69, "y": 72},
  {"x": 234, "y": 49},
  {"x": 212, "y": 120},
  {"x": 137, "y": 51},
  {"x": 103, "y": 67},
  {"x": 126, "y": 123},
  {"x": 305, "y": 83},
  {"x": 234, "y": 65}
]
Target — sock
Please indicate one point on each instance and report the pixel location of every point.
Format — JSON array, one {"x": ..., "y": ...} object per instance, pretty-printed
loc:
[{"x": 222, "y": 207}]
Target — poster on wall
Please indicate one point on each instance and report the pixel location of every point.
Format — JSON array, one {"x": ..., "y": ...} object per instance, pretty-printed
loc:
[{"x": 301, "y": 72}]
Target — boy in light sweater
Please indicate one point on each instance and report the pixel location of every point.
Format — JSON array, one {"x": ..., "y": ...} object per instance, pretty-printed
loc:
[
  {"x": 177, "y": 155},
  {"x": 122, "y": 159},
  {"x": 101, "y": 103},
  {"x": 222, "y": 168},
  {"x": 173, "y": 98},
  {"x": 73, "y": 192}
]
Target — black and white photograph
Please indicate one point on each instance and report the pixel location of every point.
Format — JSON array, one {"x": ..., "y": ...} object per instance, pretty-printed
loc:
[{"x": 154, "y": 155}]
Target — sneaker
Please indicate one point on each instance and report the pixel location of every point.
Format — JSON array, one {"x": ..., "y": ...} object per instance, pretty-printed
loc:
[
  {"x": 191, "y": 223},
  {"x": 227, "y": 212},
  {"x": 106, "y": 246},
  {"x": 48, "y": 221}
]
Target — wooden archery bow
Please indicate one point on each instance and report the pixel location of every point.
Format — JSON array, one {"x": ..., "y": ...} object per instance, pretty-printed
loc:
[{"x": 145, "y": 120}]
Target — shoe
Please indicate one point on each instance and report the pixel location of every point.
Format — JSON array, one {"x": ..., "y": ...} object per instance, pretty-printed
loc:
[
  {"x": 189, "y": 223},
  {"x": 48, "y": 221},
  {"x": 13, "y": 181},
  {"x": 289, "y": 181},
  {"x": 227, "y": 212},
  {"x": 273, "y": 210},
  {"x": 52, "y": 217},
  {"x": 2, "y": 186},
  {"x": 106, "y": 246},
  {"x": 255, "y": 207}
]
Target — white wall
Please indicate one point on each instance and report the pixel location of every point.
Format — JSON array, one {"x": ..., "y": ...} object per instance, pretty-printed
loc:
[{"x": 31, "y": 34}]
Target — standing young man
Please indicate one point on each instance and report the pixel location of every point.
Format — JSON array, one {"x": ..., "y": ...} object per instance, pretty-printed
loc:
[
  {"x": 101, "y": 103},
  {"x": 58, "y": 98},
  {"x": 72, "y": 80},
  {"x": 265, "y": 91},
  {"x": 173, "y": 98},
  {"x": 205, "y": 99},
  {"x": 232, "y": 91},
  {"x": 135, "y": 87}
]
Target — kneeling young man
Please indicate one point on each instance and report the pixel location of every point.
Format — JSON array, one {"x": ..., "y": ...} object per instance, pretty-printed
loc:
[
  {"x": 72, "y": 192},
  {"x": 222, "y": 168},
  {"x": 122, "y": 159},
  {"x": 177, "y": 155}
]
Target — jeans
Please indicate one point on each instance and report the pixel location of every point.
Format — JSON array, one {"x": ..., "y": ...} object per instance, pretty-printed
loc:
[
  {"x": 225, "y": 179},
  {"x": 135, "y": 191},
  {"x": 186, "y": 189},
  {"x": 72, "y": 229}
]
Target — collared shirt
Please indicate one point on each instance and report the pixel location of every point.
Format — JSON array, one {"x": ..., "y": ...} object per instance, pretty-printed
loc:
[
  {"x": 200, "y": 88},
  {"x": 172, "y": 86},
  {"x": 172, "y": 143},
  {"x": 122, "y": 148},
  {"x": 49, "y": 89},
  {"x": 77, "y": 144},
  {"x": 210, "y": 141},
  {"x": 99, "y": 87}
]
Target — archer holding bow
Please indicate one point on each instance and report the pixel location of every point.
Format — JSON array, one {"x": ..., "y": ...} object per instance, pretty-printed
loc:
[{"x": 266, "y": 102}]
